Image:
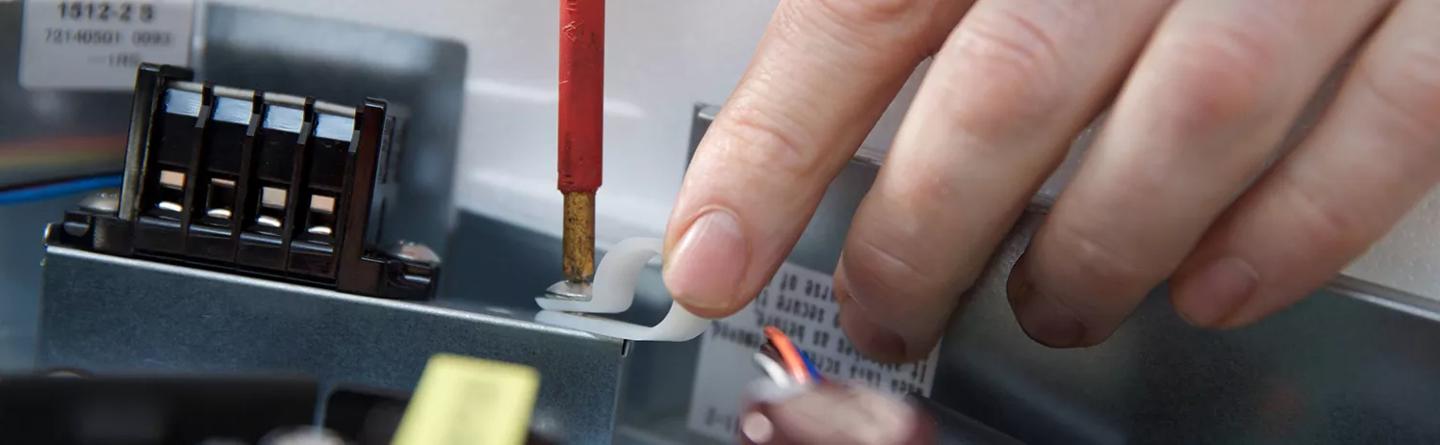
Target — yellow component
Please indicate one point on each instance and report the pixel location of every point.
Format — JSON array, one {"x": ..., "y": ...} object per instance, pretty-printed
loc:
[{"x": 463, "y": 400}]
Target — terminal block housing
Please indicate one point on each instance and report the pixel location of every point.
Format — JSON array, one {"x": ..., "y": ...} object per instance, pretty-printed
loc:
[{"x": 256, "y": 183}]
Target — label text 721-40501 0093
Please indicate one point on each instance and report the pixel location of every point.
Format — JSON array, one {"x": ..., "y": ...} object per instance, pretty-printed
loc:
[
  {"x": 96, "y": 37},
  {"x": 95, "y": 45},
  {"x": 107, "y": 37}
]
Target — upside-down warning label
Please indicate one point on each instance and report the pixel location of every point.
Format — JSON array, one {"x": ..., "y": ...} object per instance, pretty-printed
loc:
[{"x": 798, "y": 301}]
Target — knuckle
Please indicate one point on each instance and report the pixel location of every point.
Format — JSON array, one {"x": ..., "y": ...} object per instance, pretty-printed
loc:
[
  {"x": 1001, "y": 75},
  {"x": 1322, "y": 223},
  {"x": 864, "y": 12},
  {"x": 1008, "y": 35},
  {"x": 880, "y": 25},
  {"x": 1213, "y": 78},
  {"x": 1410, "y": 90},
  {"x": 1092, "y": 263},
  {"x": 763, "y": 139},
  {"x": 879, "y": 269},
  {"x": 923, "y": 187}
]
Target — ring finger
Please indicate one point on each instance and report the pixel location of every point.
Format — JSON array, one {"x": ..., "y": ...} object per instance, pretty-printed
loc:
[{"x": 1204, "y": 109}]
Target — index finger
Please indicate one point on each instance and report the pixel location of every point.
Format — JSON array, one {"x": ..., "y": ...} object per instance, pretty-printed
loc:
[{"x": 821, "y": 77}]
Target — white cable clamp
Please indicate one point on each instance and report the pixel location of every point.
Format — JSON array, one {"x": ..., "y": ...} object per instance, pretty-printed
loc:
[{"x": 612, "y": 291}]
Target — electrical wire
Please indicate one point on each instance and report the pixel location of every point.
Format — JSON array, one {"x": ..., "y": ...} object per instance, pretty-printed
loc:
[
  {"x": 771, "y": 352},
  {"x": 45, "y": 159},
  {"x": 55, "y": 189},
  {"x": 810, "y": 366},
  {"x": 788, "y": 354},
  {"x": 772, "y": 369}
]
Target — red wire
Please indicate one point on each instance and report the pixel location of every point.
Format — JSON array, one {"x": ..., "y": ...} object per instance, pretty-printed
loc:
[
  {"x": 789, "y": 355},
  {"x": 582, "y": 94}
]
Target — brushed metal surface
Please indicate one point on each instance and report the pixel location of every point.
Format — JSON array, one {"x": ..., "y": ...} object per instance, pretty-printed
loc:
[
  {"x": 107, "y": 314},
  {"x": 1335, "y": 368}
]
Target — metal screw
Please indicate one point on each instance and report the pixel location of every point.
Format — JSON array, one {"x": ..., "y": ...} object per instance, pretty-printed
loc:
[
  {"x": 302, "y": 435},
  {"x": 413, "y": 252},
  {"x": 569, "y": 290},
  {"x": 64, "y": 373},
  {"x": 105, "y": 201}
]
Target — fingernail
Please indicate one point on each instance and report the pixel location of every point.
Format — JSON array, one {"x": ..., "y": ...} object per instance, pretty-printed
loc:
[
  {"x": 872, "y": 339},
  {"x": 1040, "y": 316},
  {"x": 704, "y": 269},
  {"x": 1217, "y": 291}
]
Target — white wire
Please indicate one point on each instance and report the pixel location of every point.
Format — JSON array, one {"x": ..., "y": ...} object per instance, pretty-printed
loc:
[{"x": 773, "y": 370}]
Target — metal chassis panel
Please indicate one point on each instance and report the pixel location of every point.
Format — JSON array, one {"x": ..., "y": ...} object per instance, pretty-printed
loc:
[{"x": 108, "y": 314}]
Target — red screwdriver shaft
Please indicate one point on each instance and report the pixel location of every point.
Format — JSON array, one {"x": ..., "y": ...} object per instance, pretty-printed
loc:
[{"x": 582, "y": 94}]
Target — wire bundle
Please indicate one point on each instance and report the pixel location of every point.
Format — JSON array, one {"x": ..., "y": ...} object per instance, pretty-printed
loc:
[
  {"x": 54, "y": 159},
  {"x": 783, "y": 362},
  {"x": 44, "y": 168},
  {"x": 56, "y": 189}
]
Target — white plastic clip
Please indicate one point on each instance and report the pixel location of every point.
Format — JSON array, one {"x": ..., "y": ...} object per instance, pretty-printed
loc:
[{"x": 612, "y": 291}]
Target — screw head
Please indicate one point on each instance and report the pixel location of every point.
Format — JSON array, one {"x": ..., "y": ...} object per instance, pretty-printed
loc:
[
  {"x": 569, "y": 290},
  {"x": 413, "y": 252},
  {"x": 105, "y": 201}
]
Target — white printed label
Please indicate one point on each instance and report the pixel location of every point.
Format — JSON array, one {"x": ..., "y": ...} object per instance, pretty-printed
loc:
[
  {"x": 798, "y": 301},
  {"x": 96, "y": 45}
]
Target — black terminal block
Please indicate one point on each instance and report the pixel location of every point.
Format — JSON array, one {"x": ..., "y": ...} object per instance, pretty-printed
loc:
[{"x": 255, "y": 183}]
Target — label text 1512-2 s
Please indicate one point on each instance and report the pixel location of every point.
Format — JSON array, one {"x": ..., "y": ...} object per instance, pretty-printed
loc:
[{"x": 107, "y": 11}]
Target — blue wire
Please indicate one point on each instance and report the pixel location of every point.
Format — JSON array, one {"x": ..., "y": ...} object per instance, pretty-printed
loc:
[
  {"x": 810, "y": 366},
  {"x": 53, "y": 190}
]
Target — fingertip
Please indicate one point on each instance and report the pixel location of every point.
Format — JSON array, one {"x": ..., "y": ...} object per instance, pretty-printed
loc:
[
  {"x": 872, "y": 339},
  {"x": 1212, "y": 293},
  {"x": 706, "y": 268},
  {"x": 1042, "y": 317},
  {"x": 713, "y": 313},
  {"x": 827, "y": 414}
]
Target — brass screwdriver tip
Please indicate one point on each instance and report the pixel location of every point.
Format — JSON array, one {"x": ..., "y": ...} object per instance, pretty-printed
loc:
[{"x": 578, "y": 240}]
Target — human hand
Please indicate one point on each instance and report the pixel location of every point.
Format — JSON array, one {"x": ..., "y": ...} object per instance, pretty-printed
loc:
[
  {"x": 1178, "y": 184},
  {"x": 841, "y": 413}
]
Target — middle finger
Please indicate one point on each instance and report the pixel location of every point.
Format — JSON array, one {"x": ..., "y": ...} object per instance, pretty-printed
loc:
[{"x": 1010, "y": 87}]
